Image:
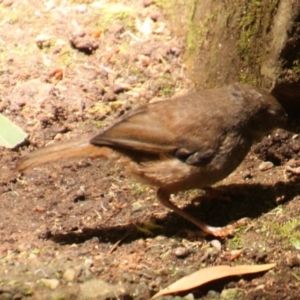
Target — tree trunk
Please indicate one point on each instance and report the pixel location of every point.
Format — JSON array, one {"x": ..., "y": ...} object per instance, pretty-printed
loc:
[{"x": 250, "y": 41}]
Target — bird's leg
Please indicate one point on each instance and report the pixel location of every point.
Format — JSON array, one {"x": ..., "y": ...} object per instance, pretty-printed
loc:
[{"x": 164, "y": 198}]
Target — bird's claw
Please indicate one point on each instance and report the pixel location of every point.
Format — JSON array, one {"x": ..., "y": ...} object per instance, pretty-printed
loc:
[{"x": 223, "y": 232}]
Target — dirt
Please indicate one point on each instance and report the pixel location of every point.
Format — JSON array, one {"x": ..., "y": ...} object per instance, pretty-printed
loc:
[{"x": 82, "y": 229}]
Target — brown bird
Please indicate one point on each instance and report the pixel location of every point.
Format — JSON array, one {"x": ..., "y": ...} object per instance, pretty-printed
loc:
[{"x": 187, "y": 142}]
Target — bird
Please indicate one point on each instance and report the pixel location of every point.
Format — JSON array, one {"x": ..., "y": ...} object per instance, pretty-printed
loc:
[{"x": 191, "y": 141}]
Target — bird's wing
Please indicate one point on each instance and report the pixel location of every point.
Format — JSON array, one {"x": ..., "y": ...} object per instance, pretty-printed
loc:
[
  {"x": 141, "y": 130},
  {"x": 147, "y": 131}
]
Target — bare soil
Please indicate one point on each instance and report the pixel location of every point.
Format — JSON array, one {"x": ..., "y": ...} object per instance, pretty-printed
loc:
[{"x": 82, "y": 229}]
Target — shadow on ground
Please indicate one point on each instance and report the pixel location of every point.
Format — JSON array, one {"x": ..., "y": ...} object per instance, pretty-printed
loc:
[{"x": 236, "y": 201}]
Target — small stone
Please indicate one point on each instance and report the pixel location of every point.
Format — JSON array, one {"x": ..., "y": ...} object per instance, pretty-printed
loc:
[
  {"x": 43, "y": 41},
  {"x": 117, "y": 89},
  {"x": 247, "y": 175},
  {"x": 8, "y": 3},
  {"x": 147, "y": 3},
  {"x": 293, "y": 261},
  {"x": 5, "y": 296},
  {"x": 189, "y": 296},
  {"x": 155, "y": 15},
  {"x": 137, "y": 206},
  {"x": 58, "y": 137},
  {"x": 116, "y": 105},
  {"x": 231, "y": 294},
  {"x": 176, "y": 51},
  {"x": 98, "y": 289},
  {"x": 266, "y": 165},
  {"x": 51, "y": 283},
  {"x": 181, "y": 252},
  {"x": 213, "y": 294},
  {"x": 79, "y": 33},
  {"x": 45, "y": 234},
  {"x": 32, "y": 92},
  {"x": 32, "y": 256},
  {"x": 144, "y": 60},
  {"x": 260, "y": 287},
  {"x": 108, "y": 97},
  {"x": 84, "y": 44},
  {"x": 69, "y": 275},
  {"x": 81, "y": 8},
  {"x": 296, "y": 147},
  {"x": 88, "y": 263},
  {"x": 216, "y": 244},
  {"x": 160, "y": 238},
  {"x": 18, "y": 296}
]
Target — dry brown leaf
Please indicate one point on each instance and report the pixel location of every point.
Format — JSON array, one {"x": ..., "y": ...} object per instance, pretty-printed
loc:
[{"x": 203, "y": 276}]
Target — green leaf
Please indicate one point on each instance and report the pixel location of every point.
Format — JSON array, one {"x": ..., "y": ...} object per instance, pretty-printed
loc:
[{"x": 11, "y": 135}]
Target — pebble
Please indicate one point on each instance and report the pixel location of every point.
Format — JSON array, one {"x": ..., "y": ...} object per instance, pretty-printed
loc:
[
  {"x": 117, "y": 89},
  {"x": 137, "y": 206},
  {"x": 108, "y": 97},
  {"x": 88, "y": 263},
  {"x": 32, "y": 92},
  {"x": 84, "y": 44},
  {"x": 247, "y": 175},
  {"x": 266, "y": 165},
  {"x": 147, "y": 3},
  {"x": 5, "y": 296},
  {"x": 18, "y": 296},
  {"x": 43, "y": 41},
  {"x": 98, "y": 289},
  {"x": 160, "y": 238},
  {"x": 231, "y": 294},
  {"x": 51, "y": 283},
  {"x": 58, "y": 137},
  {"x": 216, "y": 244},
  {"x": 8, "y": 3},
  {"x": 81, "y": 8},
  {"x": 189, "y": 296},
  {"x": 69, "y": 275},
  {"x": 260, "y": 287},
  {"x": 181, "y": 252},
  {"x": 213, "y": 294}
]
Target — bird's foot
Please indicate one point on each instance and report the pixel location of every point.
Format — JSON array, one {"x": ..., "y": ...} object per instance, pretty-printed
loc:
[
  {"x": 219, "y": 232},
  {"x": 225, "y": 231}
]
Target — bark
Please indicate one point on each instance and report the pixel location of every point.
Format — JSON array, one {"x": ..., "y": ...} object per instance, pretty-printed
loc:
[{"x": 250, "y": 41}]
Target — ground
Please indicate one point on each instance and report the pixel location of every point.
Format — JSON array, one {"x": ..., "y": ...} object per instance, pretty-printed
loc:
[{"x": 82, "y": 229}]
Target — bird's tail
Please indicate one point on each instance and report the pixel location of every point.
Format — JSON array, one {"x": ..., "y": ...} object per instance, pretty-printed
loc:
[{"x": 67, "y": 150}]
